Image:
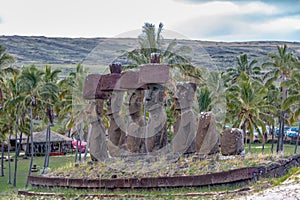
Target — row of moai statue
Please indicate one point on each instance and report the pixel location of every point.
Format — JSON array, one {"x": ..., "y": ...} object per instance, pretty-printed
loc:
[{"x": 135, "y": 135}]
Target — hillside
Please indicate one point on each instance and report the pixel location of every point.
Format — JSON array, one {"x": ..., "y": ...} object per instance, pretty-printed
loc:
[{"x": 102, "y": 51}]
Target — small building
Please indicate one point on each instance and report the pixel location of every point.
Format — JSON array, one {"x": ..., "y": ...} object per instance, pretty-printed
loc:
[{"x": 59, "y": 144}]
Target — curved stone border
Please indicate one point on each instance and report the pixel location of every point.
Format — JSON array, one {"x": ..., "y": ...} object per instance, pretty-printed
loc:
[
  {"x": 226, "y": 177},
  {"x": 244, "y": 175}
]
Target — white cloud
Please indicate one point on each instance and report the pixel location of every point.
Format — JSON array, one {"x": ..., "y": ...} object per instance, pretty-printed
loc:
[
  {"x": 285, "y": 24},
  {"x": 101, "y": 18}
]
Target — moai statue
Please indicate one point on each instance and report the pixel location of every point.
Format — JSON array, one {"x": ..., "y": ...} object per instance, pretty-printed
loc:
[
  {"x": 185, "y": 126},
  {"x": 207, "y": 136},
  {"x": 154, "y": 75},
  {"x": 156, "y": 134},
  {"x": 232, "y": 142},
  {"x": 98, "y": 146},
  {"x": 117, "y": 128},
  {"x": 136, "y": 128}
]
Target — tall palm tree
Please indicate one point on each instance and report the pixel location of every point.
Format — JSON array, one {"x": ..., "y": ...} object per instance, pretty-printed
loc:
[
  {"x": 5, "y": 60},
  {"x": 273, "y": 98},
  {"x": 247, "y": 106},
  {"x": 246, "y": 66},
  {"x": 49, "y": 93},
  {"x": 280, "y": 69},
  {"x": 12, "y": 106},
  {"x": 4, "y": 129},
  {"x": 293, "y": 100},
  {"x": 72, "y": 105}
]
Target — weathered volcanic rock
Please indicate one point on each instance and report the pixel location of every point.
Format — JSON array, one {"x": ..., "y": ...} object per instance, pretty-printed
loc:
[
  {"x": 232, "y": 142},
  {"x": 154, "y": 73},
  {"x": 207, "y": 137}
]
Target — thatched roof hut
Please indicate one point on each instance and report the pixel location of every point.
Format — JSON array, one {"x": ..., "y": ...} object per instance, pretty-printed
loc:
[
  {"x": 40, "y": 137},
  {"x": 59, "y": 143}
]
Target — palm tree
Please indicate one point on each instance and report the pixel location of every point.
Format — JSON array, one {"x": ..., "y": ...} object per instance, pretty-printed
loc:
[
  {"x": 151, "y": 41},
  {"x": 293, "y": 100},
  {"x": 247, "y": 106},
  {"x": 204, "y": 99},
  {"x": 243, "y": 65},
  {"x": 280, "y": 68},
  {"x": 4, "y": 130},
  {"x": 13, "y": 109},
  {"x": 273, "y": 98},
  {"x": 5, "y": 59},
  {"x": 31, "y": 78},
  {"x": 72, "y": 105},
  {"x": 49, "y": 93}
]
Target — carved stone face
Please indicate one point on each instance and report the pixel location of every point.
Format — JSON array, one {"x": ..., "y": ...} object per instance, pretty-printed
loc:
[
  {"x": 115, "y": 102},
  {"x": 184, "y": 95},
  {"x": 135, "y": 101},
  {"x": 99, "y": 107},
  {"x": 155, "y": 96}
]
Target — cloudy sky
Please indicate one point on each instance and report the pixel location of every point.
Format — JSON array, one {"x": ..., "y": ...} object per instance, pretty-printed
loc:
[{"x": 232, "y": 20}]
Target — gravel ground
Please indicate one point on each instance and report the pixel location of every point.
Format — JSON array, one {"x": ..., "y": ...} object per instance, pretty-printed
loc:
[{"x": 288, "y": 190}]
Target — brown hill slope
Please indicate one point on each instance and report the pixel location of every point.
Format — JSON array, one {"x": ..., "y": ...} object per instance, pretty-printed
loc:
[{"x": 102, "y": 51}]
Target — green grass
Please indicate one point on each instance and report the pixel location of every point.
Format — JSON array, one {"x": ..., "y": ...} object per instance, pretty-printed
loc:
[
  {"x": 256, "y": 148},
  {"x": 22, "y": 172}
]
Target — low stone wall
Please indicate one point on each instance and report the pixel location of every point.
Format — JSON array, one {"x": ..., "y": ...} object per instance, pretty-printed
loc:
[
  {"x": 242, "y": 175},
  {"x": 280, "y": 168},
  {"x": 226, "y": 177}
]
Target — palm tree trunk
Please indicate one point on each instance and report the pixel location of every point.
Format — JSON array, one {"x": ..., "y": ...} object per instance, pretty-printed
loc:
[
  {"x": 27, "y": 148},
  {"x": 282, "y": 131},
  {"x": 265, "y": 138},
  {"x": 49, "y": 145},
  {"x": 8, "y": 156},
  {"x": 245, "y": 134},
  {"x": 31, "y": 149},
  {"x": 46, "y": 151},
  {"x": 88, "y": 142},
  {"x": 76, "y": 152},
  {"x": 272, "y": 132},
  {"x": 282, "y": 116},
  {"x": 280, "y": 134},
  {"x": 297, "y": 141},
  {"x": 79, "y": 157},
  {"x": 2, "y": 158},
  {"x": 17, "y": 151}
]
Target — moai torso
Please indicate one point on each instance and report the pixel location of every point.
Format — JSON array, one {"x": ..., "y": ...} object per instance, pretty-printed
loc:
[
  {"x": 117, "y": 128},
  {"x": 98, "y": 147},
  {"x": 136, "y": 128},
  {"x": 156, "y": 134},
  {"x": 185, "y": 126}
]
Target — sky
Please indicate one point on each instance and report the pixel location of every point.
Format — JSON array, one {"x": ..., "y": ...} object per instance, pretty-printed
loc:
[{"x": 223, "y": 20}]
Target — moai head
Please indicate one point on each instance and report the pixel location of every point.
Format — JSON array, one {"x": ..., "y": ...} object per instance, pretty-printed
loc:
[
  {"x": 115, "y": 68},
  {"x": 135, "y": 102},
  {"x": 155, "y": 96},
  {"x": 184, "y": 95},
  {"x": 115, "y": 102},
  {"x": 155, "y": 58}
]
